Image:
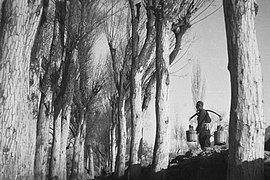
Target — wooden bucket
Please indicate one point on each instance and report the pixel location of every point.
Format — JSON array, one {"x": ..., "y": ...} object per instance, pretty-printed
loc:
[
  {"x": 219, "y": 137},
  {"x": 191, "y": 136}
]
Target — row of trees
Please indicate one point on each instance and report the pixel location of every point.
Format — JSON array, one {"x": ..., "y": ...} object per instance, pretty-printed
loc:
[
  {"x": 55, "y": 99},
  {"x": 46, "y": 61}
]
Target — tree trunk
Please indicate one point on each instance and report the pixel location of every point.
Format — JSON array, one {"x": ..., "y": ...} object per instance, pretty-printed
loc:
[
  {"x": 19, "y": 25},
  {"x": 91, "y": 163},
  {"x": 41, "y": 86},
  {"x": 138, "y": 66},
  {"x": 65, "y": 121},
  {"x": 136, "y": 130},
  {"x": 42, "y": 145},
  {"x": 121, "y": 154},
  {"x": 55, "y": 152},
  {"x": 81, "y": 169},
  {"x": 246, "y": 128},
  {"x": 76, "y": 157},
  {"x": 56, "y": 56},
  {"x": 136, "y": 97},
  {"x": 77, "y": 169},
  {"x": 99, "y": 163},
  {"x": 67, "y": 88},
  {"x": 161, "y": 147},
  {"x": 113, "y": 146},
  {"x": 113, "y": 149}
]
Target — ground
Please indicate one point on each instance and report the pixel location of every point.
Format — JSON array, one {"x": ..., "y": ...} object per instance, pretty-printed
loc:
[{"x": 210, "y": 164}]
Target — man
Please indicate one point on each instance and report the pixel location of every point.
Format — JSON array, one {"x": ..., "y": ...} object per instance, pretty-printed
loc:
[{"x": 203, "y": 127}]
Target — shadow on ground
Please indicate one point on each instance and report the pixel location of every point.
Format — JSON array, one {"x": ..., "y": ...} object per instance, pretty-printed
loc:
[{"x": 207, "y": 165}]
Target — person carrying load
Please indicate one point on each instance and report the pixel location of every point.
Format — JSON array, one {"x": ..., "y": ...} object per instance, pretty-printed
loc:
[{"x": 203, "y": 126}]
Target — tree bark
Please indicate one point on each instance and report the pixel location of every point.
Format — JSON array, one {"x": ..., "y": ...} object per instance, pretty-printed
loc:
[
  {"x": 121, "y": 154},
  {"x": 67, "y": 88},
  {"x": 91, "y": 162},
  {"x": 137, "y": 127},
  {"x": 113, "y": 148},
  {"x": 138, "y": 66},
  {"x": 56, "y": 56},
  {"x": 119, "y": 80},
  {"x": 19, "y": 24},
  {"x": 55, "y": 152},
  {"x": 65, "y": 121},
  {"x": 99, "y": 163},
  {"x": 246, "y": 128},
  {"x": 77, "y": 169},
  {"x": 136, "y": 96},
  {"x": 42, "y": 145},
  {"x": 41, "y": 85},
  {"x": 161, "y": 147}
]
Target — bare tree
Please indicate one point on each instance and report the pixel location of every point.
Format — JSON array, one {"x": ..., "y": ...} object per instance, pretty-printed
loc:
[
  {"x": 60, "y": 77},
  {"x": 88, "y": 85},
  {"x": 161, "y": 148},
  {"x": 198, "y": 83},
  {"x": 97, "y": 136},
  {"x": 170, "y": 16},
  {"x": 140, "y": 60},
  {"x": 246, "y": 128},
  {"x": 118, "y": 38}
]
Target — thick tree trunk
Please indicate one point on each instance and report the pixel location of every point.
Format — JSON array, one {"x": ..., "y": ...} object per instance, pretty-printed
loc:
[
  {"x": 40, "y": 79},
  {"x": 42, "y": 145},
  {"x": 136, "y": 130},
  {"x": 19, "y": 24},
  {"x": 121, "y": 154},
  {"x": 246, "y": 129},
  {"x": 161, "y": 148}
]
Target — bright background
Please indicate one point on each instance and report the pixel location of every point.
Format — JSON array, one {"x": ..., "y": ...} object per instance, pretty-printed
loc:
[{"x": 209, "y": 47}]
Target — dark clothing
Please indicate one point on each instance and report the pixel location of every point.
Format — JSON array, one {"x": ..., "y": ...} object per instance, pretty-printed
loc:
[
  {"x": 201, "y": 117},
  {"x": 204, "y": 138},
  {"x": 202, "y": 130}
]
